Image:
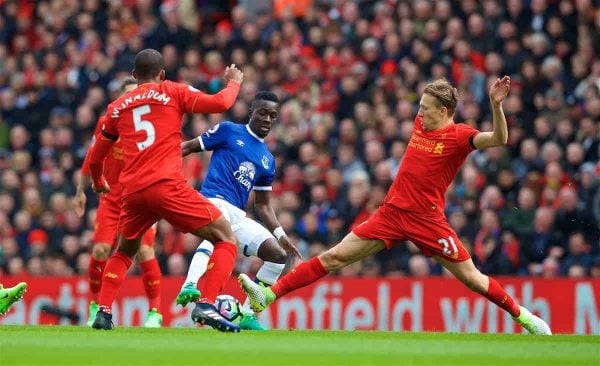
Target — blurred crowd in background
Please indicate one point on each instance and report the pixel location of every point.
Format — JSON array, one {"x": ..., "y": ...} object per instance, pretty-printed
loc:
[{"x": 350, "y": 75}]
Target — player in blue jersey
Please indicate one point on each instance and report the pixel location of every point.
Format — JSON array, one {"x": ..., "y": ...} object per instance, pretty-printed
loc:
[{"x": 241, "y": 162}]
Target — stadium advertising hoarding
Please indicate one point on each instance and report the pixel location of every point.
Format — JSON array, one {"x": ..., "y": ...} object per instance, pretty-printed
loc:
[{"x": 431, "y": 304}]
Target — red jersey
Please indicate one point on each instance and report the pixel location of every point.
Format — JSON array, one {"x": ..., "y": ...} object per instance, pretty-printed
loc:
[
  {"x": 113, "y": 164},
  {"x": 147, "y": 121},
  {"x": 430, "y": 164}
]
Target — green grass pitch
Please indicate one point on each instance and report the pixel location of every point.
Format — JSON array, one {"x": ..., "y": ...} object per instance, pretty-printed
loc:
[{"x": 136, "y": 346}]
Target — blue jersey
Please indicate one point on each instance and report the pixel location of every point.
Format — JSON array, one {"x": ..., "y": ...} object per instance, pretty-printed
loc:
[{"x": 240, "y": 162}]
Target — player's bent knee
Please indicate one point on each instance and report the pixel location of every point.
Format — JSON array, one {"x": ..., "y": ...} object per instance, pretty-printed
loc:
[
  {"x": 145, "y": 253},
  {"x": 101, "y": 251}
]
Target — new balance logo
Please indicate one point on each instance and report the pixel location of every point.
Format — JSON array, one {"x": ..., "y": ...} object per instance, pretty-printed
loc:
[{"x": 240, "y": 143}]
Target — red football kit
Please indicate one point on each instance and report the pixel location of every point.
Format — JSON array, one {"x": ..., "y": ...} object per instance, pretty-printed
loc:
[
  {"x": 414, "y": 206},
  {"x": 147, "y": 122},
  {"x": 109, "y": 207}
]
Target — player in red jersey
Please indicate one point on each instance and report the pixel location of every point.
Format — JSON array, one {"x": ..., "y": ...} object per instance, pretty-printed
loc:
[
  {"x": 414, "y": 206},
  {"x": 148, "y": 120},
  {"x": 105, "y": 231}
]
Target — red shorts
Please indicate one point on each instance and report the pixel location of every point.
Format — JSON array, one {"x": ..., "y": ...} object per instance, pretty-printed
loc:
[
  {"x": 107, "y": 221},
  {"x": 430, "y": 232},
  {"x": 173, "y": 200}
]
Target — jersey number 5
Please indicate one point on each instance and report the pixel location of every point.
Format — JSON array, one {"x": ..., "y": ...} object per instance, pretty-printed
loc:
[
  {"x": 449, "y": 246},
  {"x": 141, "y": 125}
]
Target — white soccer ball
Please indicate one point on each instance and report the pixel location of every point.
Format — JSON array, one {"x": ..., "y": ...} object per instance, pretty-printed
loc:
[{"x": 229, "y": 308}]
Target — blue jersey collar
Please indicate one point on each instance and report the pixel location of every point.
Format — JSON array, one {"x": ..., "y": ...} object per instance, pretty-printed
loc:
[{"x": 253, "y": 134}]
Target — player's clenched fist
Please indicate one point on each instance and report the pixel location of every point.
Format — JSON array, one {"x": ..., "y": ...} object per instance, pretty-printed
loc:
[{"x": 233, "y": 73}]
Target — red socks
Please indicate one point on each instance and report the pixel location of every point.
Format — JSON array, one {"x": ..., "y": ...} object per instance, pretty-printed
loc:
[
  {"x": 218, "y": 271},
  {"x": 498, "y": 296},
  {"x": 304, "y": 274},
  {"x": 114, "y": 275},
  {"x": 151, "y": 277},
  {"x": 95, "y": 270}
]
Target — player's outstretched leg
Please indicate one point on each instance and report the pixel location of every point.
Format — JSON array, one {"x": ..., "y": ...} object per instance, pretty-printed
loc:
[
  {"x": 8, "y": 296},
  {"x": 189, "y": 291},
  {"x": 114, "y": 275},
  {"x": 468, "y": 274},
  {"x": 351, "y": 249}
]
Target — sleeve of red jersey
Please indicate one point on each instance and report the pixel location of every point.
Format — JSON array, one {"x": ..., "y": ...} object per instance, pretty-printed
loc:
[
  {"x": 98, "y": 152},
  {"x": 194, "y": 101},
  {"x": 465, "y": 136},
  {"x": 85, "y": 167}
]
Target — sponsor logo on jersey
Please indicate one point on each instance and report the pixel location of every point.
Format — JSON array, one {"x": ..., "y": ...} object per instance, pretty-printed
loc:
[
  {"x": 245, "y": 174},
  {"x": 240, "y": 143}
]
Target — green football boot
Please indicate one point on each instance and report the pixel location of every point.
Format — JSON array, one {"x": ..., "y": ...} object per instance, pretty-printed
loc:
[
  {"x": 260, "y": 297},
  {"x": 250, "y": 322},
  {"x": 533, "y": 324},
  {"x": 154, "y": 319},
  {"x": 93, "y": 310},
  {"x": 9, "y": 296},
  {"x": 189, "y": 293}
]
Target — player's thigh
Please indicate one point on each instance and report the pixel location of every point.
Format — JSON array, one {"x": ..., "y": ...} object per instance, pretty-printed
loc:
[
  {"x": 136, "y": 216},
  {"x": 434, "y": 236},
  {"x": 385, "y": 225},
  {"x": 231, "y": 213},
  {"x": 255, "y": 240},
  {"x": 107, "y": 221},
  {"x": 190, "y": 212},
  {"x": 351, "y": 249}
]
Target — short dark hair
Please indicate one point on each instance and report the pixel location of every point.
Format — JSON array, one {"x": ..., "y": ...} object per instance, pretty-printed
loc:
[
  {"x": 127, "y": 81},
  {"x": 266, "y": 95},
  {"x": 148, "y": 63}
]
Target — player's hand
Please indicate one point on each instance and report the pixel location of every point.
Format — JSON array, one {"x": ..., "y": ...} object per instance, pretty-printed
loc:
[
  {"x": 499, "y": 90},
  {"x": 289, "y": 247},
  {"x": 233, "y": 73},
  {"x": 79, "y": 202},
  {"x": 104, "y": 188}
]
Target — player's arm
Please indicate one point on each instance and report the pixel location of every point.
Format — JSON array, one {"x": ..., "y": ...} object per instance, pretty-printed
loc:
[
  {"x": 195, "y": 101},
  {"x": 266, "y": 213},
  {"x": 190, "y": 146},
  {"x": 85, "y": 178},
  {"x": 208, "y": 141},
  {"x": 98, "y": 153},
  {"x": 499, "y": 136}
]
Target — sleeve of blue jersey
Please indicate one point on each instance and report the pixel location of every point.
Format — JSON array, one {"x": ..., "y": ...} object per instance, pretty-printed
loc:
[
  {"x": 265, "y": 182},
  {"x": 215, "y": 137}
]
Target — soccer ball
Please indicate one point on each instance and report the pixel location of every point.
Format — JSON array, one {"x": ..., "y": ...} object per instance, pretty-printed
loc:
[{"x": 229, "y": 308}]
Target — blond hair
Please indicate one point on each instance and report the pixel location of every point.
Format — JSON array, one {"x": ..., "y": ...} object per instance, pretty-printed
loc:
[{"x": 445, "y": 94}]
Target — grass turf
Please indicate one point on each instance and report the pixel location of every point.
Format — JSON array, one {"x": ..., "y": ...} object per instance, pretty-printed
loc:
[{"x": 137, "y": 346}]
